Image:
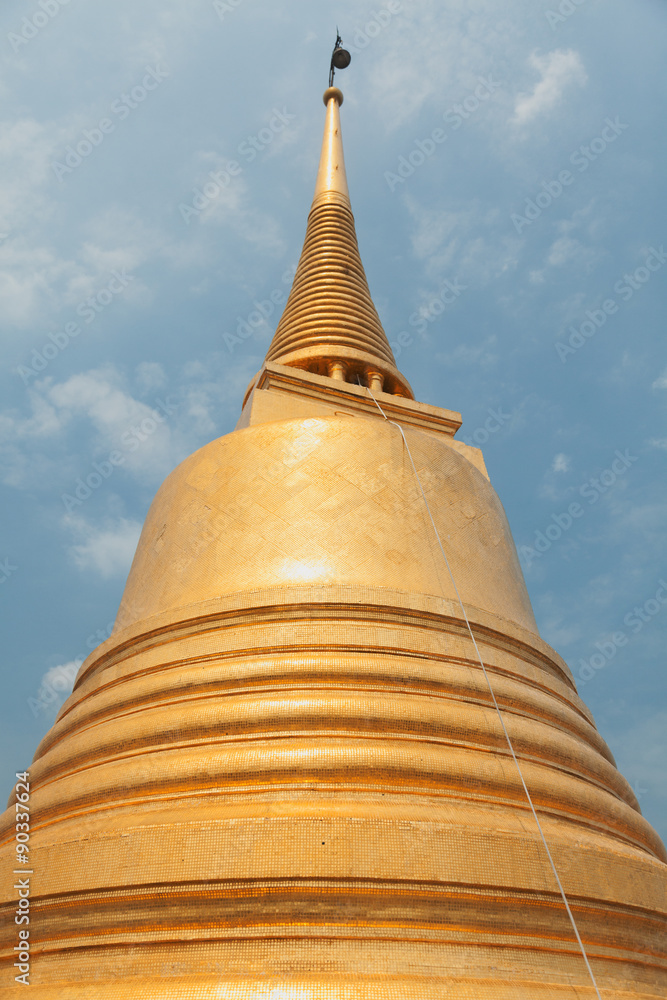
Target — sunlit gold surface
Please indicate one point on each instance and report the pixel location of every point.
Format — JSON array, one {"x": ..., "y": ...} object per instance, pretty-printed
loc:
[{"x": 283, "y": 776}]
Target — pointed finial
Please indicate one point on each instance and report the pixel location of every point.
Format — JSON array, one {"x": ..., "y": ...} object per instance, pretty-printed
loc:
[
  {"x": 330, "y": 326},
  {"x": 340, "y": 58},
  {"x": 331, "y": 173}
]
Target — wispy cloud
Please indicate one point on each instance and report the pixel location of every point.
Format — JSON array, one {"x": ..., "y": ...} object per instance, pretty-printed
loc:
[
  {"x": 559, "y": 70},
  {"x": 105, "y": 549}
]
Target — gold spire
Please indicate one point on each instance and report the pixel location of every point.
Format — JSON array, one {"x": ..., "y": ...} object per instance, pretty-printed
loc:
[
  {"x": 330, "y": 325},
  {"x": 331, "y": 174}
]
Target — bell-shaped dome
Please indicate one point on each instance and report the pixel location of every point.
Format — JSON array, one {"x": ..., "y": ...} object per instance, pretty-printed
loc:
[{"x": 306, "y": 502}]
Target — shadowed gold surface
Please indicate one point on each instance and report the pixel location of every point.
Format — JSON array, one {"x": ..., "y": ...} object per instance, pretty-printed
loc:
[{"x": 283, "y": 776}]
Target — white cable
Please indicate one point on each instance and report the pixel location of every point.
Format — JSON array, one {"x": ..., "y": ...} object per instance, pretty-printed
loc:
[{"x": 497, "y": 707}]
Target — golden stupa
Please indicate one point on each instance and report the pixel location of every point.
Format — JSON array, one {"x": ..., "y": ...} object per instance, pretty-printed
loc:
[{"x": 285, "y": 776}]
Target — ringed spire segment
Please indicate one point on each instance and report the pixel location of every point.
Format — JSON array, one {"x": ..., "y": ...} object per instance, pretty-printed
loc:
[{"x": 330, "y": 326}]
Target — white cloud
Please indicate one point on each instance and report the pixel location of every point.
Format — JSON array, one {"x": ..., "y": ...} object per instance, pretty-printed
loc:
[
  {"x": 471, "y": 354},
  {"x": 35, "y": 278},
  {"x": 553, "y": 487},
  {"x": 73, "y": 424},
  {"x": 26, "y": 150},
  {"x": 29, "y": 276},
  {"x": 229, "y": 205},
  {"x": 96, "y": 394},
  {"x": 62, "y": 677},
  {"x": 107, "y": 550},
  {"x": 123, "y": 423},
  {"x": 150, "y": 375},
  {"x": 563, "y": 250},
  {"x": 661, "y": 381},
  {"x": 433, "y": 227},
  {"x": 566, "y": 251},
  {"x": 46, "y": 448},
  {"x": 21, "y": 465},
  {"x": 421, "y": 56},
  {"x": 36, "y": 282},
  {"x": 55, "y": 687},
  {"x": 559, "y": 69},
  {"x": 457, "y": 244},
  {"x": 199, "y": 404},
  {"x": 43, "y": 422}
]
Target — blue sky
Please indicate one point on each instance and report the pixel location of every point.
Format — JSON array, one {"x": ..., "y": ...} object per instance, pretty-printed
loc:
[{"x": 506, "y": 164}]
